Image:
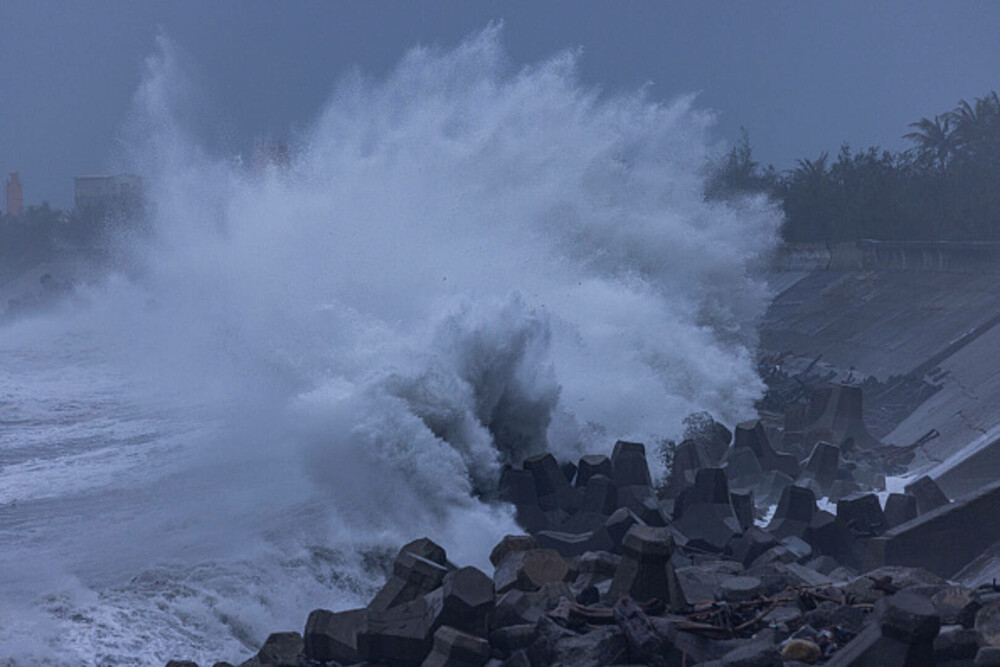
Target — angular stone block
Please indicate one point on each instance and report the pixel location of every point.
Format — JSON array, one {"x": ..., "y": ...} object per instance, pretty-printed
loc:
[
  {"x": 412, "y": 577},
  {"x": 744, "y": 508},
  {"x": 628, "y": 460},
  {"x": 600, "y": 495},
  {"x": 862, "y": 514},
  {"x": 752, "y": 544},
  {"x": 593, "y": 464},
  {"x": 516, "y": 608},
  {"x": 582, "y": 522},
  {"x": 988, "y": 623},
  {"x": 954, "y": 644},
  {"x": 518, "y": 487},
  {"x": 957, "y": 605},
  {"x": 899, "y": 508},
  {"x": 509, "y": 544},
  {"x": 333, "y": 636},
  {"x": 597, "y": 648},
  {"x": 529, "y": 570},
  {"x": 427, "y": 548},
  {"x": 828, "y": 535},
  {"x": 711, "y": 528},
  {"x": 741, "y": 588},
  {"x": 574, "y": 544},
  {"x": 402, "y": 634},
  {"x": 468, "y": 599},
  {"x": 838, "y": 410},
  {"x": 454, "y": 648},
  {"x": 910, "y": 617},
  {"x": 987, "y": 655},
  {"x": 822, "y": 464},
  {"x": 618, "y": 525},
  {"x": 795, "y": 511},
  {"x": 743, "y": 468},
  {"x": 928, "y": 494},
  {"x": 513, "y": 638},
  {"x": 281, "y": 649},
  {"x": 645, "y": 571},
  {"x": 545, "y": 472},
  {"x": 752, "y": 435},
  {"x": 689, "y": 458},
  {"x": 567, "y": 499},
  {"x": 602, "y": 563}
]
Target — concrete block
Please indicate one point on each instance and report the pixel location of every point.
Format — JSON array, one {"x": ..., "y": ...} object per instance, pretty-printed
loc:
[
  {"x": 967, "y": 526},
  {"x": 529, "y": 570},
  {"x": 454, "y": 648},
  {"x": 593, "y": 464},
  {"x": 509, "y": 544},
  {"x": 899, "y": 508},
  {"x": 281, "y": 649},
  {"x": 333, "y": 636},
  {"x": 628, "y": 460},
  {"x": 928, "y": 494},
  {"x": 862, "y": 514}
]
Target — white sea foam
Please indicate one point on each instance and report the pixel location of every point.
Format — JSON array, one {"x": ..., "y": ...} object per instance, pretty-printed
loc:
[{"x": 463, "y": 263}]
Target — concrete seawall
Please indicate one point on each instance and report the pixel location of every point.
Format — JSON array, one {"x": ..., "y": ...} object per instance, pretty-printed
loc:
[{"x": 869, "y": 255}]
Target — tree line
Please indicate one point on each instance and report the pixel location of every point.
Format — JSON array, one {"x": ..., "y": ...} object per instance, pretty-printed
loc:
[{"x": 945, "y": 187}]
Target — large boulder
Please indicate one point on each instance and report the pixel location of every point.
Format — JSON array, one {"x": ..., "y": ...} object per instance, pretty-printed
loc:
[
  {"x": 404, "y": 634},
  {"x": 689, "y": 458},
  {"x": 333, "y": 636},
  {"x": 822, "y": 465},
  {"x": 412, "y": 576},
  {"x": 645, "y": 571},
  {"x": 281, "y": 649},
  {"x": 529, "y": 570},
  {"x": 628, "y": 460},
  {"x": 899, "y": 508},
  {"x": 928, "y": 494},
  {"x": 454, "y": 648},
  {"x": 794, "y": 513},
  {"x": 751, "y": 435},
  {"x": 510, "y": 544},
  {"x": 704, "y": 512},
  {"x": 593, "y": 464},
  {"x": 837, "y": 412},
  {"x": 862, "y": 514}
]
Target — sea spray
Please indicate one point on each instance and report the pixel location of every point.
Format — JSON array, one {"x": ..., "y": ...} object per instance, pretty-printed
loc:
[{"x": 461, "y": 264}]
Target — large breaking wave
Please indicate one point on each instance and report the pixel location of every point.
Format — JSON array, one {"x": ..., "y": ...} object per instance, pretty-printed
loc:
[{"x": 462, "y": 263}]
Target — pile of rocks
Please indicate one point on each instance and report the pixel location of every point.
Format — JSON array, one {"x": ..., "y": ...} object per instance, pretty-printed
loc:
[{"x": 615, "y": 571}]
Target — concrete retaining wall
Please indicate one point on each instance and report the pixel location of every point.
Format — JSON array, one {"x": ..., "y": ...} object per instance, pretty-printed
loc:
[
  {"x": 867, "y": 255},
  {"x": 944, "y": 540}
]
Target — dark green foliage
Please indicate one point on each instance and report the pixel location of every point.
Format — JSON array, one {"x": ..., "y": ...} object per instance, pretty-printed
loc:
[
  {"x": 947, "y": 187},
  {"x": 737, "y": 174}
]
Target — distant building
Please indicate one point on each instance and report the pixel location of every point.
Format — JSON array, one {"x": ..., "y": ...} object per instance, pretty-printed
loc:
[
  {"x": 15, "y": 195},
  {"x": 104, "y": 193}
]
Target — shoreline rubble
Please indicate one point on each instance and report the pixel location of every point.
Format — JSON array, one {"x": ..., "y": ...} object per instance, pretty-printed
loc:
[{"x": 614, "y": 570}]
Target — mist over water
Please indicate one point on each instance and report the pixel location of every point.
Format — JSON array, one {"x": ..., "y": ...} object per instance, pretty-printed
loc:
[{"x": 464, "y": 263}]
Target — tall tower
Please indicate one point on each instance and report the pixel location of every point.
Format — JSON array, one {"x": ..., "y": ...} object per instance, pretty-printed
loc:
[{"x": 15, "y": 195}]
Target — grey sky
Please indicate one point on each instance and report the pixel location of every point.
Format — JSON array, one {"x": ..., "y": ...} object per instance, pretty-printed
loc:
[{"x": 801, "y": 76}]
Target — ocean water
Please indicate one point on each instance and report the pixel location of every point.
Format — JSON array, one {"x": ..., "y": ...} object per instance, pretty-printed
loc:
[{"x": 301, "y": 368}]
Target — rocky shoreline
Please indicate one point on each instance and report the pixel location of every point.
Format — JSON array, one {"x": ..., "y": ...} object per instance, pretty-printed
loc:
[{"x": 700, "y": 569}]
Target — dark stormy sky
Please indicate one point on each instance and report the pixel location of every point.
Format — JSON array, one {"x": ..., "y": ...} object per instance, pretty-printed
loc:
[{"x": 801, "y": 76}]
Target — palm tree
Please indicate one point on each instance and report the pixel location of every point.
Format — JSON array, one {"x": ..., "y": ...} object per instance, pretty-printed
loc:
[
  {"x": 812, "y": 171},
  {"x": 936, "y": 142},
  {"x": 977, "y": 125}
]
